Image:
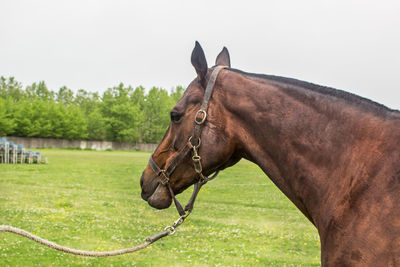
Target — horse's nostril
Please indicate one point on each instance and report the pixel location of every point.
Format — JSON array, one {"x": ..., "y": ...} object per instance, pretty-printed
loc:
[
  {"x": 141, "y": 180},
  {"x": 145, "y": 196}
]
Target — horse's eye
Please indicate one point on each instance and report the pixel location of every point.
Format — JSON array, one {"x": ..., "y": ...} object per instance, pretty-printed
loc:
[{"x": 175, "y": 116}]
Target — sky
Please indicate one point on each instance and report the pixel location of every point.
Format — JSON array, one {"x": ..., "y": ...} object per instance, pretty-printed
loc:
[{"x": 93, "y": 45}]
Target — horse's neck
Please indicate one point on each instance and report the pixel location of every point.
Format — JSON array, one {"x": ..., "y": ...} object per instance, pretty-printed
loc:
[{"x": 299, "y": 142}]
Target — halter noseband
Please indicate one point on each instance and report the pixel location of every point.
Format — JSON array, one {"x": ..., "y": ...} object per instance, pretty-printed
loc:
[{"x": 164, "y": 174}]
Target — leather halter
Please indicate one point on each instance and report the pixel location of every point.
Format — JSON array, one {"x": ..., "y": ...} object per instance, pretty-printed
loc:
[{"x": 193, "y": 145}]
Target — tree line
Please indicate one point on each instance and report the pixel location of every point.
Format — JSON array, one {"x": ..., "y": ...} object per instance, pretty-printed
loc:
[{"x": 122, "y": 113}]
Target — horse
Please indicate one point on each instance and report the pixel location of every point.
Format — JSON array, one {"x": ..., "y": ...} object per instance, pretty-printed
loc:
[{"x": 334, "y": 154}]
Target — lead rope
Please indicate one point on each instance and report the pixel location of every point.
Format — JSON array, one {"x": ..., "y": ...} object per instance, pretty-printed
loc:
[{"x": 169, "y": 230}]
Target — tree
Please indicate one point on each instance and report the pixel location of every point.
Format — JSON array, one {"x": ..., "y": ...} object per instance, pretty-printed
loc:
[
  {"x": 122, "y": 116},
  {"x": 138, "y": 99},
  {"x": 39, "y": 90},
  {"x": 10, "y": 88},
  {"x": 7, "y": 123},
  {"x": 65, "y": 96},
  {"x": 156, "y": 111},
  {"x": 75, "y": 125},
  {"x": 96, "y": 125},
  {"x": 177, "y": 93},
  {"x": 87, "y": 101}
]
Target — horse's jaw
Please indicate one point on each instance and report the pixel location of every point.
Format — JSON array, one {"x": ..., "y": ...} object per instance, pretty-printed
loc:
[{"x": 161, "y": 198}]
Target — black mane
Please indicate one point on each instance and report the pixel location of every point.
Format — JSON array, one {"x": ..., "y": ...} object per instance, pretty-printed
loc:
[{"x": 349, "y": 97}]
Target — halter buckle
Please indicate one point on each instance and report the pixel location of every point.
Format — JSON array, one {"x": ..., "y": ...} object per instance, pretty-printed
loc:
[
  {"x": 164, "y": 179},
  {"x": 194, "y": 146},
  {"x": 200, "y": 117}
]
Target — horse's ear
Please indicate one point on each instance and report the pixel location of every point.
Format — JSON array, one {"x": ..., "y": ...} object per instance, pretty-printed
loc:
[
  {"x": 223, "y": 59},
  {"x": 199, "y": 62}
]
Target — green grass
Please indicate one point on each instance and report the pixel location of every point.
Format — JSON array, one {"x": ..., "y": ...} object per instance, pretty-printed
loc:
[{"x": 91, "y": 200}]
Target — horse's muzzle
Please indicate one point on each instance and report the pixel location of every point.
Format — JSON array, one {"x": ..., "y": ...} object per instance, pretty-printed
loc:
[
  {"x": 161, "y": 198},
  {"x": 154, "y": 193}
]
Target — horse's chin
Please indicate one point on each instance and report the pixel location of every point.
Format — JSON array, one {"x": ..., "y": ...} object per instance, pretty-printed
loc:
[{"x": 161, "y": 198}]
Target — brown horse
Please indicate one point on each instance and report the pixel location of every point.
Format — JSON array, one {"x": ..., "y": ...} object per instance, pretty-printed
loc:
[{"x": 335, "y": 155}]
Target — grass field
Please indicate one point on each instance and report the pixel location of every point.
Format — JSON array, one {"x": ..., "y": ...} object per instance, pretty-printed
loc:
[{"x": 91, "y": 200}]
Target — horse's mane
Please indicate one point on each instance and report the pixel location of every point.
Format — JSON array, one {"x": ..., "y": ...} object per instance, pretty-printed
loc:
[{"x": 348, "y": 97}]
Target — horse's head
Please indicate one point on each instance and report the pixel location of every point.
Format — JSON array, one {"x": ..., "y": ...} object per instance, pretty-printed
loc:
[{"x": 175, "y": 165}]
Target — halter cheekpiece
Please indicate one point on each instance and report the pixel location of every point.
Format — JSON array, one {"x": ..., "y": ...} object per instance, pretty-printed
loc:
[{"x": 193, "y": 145}]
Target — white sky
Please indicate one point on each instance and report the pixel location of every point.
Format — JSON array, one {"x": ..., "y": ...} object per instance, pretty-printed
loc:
[{"x": 349, "y": 45}]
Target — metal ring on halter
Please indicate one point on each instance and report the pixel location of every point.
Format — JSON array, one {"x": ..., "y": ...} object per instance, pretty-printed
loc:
[
  {"x": 201, "y": 115},
  {"x": 190, "y": 142}
]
